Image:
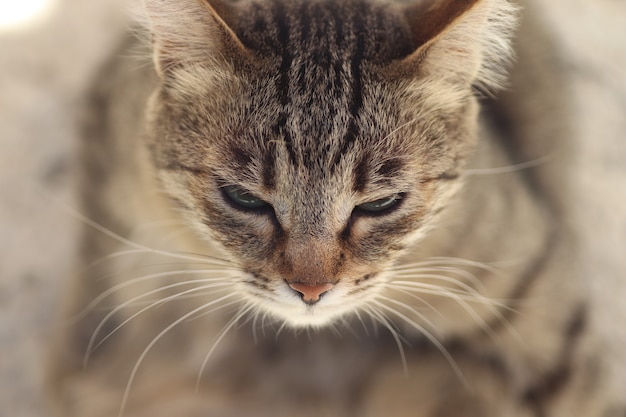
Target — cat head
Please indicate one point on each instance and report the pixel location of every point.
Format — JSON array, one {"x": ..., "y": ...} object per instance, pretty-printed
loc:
[{"x": 316, "y": 140}]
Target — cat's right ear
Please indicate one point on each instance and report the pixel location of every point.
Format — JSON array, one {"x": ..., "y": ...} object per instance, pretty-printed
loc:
[
  {"x": 467, "y": 41},
  {"x": 188, "y": 32}
]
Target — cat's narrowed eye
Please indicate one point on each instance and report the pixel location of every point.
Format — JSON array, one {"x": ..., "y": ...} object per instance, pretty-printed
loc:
[
  {"x": 381, "y": 206},
  {"x": 243, "y": 199}
]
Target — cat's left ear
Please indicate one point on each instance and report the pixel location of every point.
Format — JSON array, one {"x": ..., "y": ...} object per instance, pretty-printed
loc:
[
  {"x": 186, "y": 32},
  {"x": 466, "y": 41}
]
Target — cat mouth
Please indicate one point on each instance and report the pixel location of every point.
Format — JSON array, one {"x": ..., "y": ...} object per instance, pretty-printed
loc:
[{"x": 300, "y": 305}]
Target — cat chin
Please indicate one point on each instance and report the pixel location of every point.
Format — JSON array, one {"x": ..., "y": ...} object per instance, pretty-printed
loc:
[{"x": 299, "y": 317}]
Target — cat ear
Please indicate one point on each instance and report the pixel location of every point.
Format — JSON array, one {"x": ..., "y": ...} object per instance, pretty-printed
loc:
[
  {"x": 466, "y": 41},
  {"x": 192, "y": 31}
]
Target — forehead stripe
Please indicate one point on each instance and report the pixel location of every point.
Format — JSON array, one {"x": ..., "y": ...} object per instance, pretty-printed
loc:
[
  {"x": 356, "y": 100},
  {"x": 269, "y": 167},
  {"x": 281, "y": 128},
  {"x": 345, "y": 45}
]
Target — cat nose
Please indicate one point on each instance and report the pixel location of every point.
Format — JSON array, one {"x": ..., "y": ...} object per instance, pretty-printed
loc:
[{"x": 311, "y": 293}]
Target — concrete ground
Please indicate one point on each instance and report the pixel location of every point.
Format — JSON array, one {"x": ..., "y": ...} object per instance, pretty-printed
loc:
[{"x": 45, "y": 69}]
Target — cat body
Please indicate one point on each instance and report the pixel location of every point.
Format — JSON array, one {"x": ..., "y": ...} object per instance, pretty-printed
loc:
[{"x": 301, "y": 210}]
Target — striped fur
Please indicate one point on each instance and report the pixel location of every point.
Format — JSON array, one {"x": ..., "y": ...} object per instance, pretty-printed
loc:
[{"x": 316, "y": 109}]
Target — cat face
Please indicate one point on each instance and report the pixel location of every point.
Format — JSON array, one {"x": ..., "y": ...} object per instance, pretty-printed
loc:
[{"x": 314, "y": 145}]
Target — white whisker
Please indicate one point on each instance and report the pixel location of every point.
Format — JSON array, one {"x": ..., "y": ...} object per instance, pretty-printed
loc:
[
  {"x": 402, "y": 126},
  {"x": 91, "y": 347},
  {"x": 232, "y": 322},
  {"x": 430, "y": 337},
  {"x": 411, "y": 293},
  {"x": 377, "y": 316},
  {"x": 423, "y": 272},
  {"x": 465, "y": 305},
  {"x": 438, "y": 290},
  {"x": 409, "y": 308},
  {"x": 510, "y": 168},
  {"x": 255, "y": 336},
  {"x": 144, "y": 278},
  {"x": 115, "y": 236},
  {"x": 442, "y": 261},
  {"x": 439, "y": 277},
  {"x": 263, "y": 323},
  {"x": 280, "y": 329},
  {"x": 154, "y": 341},
  {"x": 358, "y": 315},
  {"x": 113, "y": 256}
]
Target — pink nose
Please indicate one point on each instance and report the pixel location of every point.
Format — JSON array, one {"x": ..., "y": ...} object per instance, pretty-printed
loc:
[{"x": 311, "y": 293}]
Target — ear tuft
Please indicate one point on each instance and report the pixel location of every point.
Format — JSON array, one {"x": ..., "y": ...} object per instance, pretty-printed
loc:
[
  {"x": 188, "y": 32},
  {"x": 467, "y": 41}
]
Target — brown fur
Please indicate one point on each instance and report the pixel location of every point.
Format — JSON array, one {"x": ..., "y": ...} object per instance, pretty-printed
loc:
[{"x": 317, "y": 109}]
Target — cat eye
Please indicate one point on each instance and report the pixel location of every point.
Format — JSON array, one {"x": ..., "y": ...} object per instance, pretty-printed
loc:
[
  {"x": 243, "y": 198},
  {"x": 381, "y": 206}
]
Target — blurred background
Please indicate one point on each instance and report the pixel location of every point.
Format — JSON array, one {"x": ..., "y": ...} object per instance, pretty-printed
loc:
[{"x": 49, "y": 51}]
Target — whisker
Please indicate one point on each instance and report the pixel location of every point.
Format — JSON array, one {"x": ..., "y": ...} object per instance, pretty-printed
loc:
[
  {"x": 263, "y": 323},
  {"x": 431, "y": 338},
  {"x": 114, "y": 255},
  {"x": 380, "y": 318},
  {"x": 149, "y": 226},
  {"x": 206, "y": 313},
  {"x": 442, "y": 261},
  {"x": 422, "y": 272},
  {"x": 419, "y": 280},
  {"x": 196, "y": 295},
  {"x": 144, "y": 278},
  {"x": 154, "y": 341},
  {"x": 491, "y": 266},
  {"x": 409, "y": 308},
  {"x": 466, "y": 296},
  {"x": 473, "y": 314},
  {"x": 402, "y": 126},
  {"x": 411, "y": 293},
  {"x": 510, "y": 168},
  {"x": 255, "y": 336},
  {"x": 432, "y": 289},
  {"x": 280, "y": 329},
  {"x": 358, "y": 315},
  {"x": 332, "y": 327},
  {"x": 232, "y": 322},
  {"x": 135, "y": 245},
  {"x": 463, "y": 300},
  {"x": 91, "y": 348}
]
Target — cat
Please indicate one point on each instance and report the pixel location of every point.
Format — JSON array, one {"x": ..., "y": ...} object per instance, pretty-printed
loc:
[{"x": 313, "y": 208}]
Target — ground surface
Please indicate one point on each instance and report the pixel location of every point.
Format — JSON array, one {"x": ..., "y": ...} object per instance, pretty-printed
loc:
[{"x": 44, "y": 72}]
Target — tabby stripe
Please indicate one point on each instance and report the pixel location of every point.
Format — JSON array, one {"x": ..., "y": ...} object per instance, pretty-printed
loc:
[
  {"x": 554, "y": 382},
  {"x": 355, "y": 67},
  {"x": 525, "y": 283},
  {"x": 283, "y": 83},
  {"x": 269, "y": 167},
  {"x": 258, "y": 285},
  {"x": 305, "y": 21},
  {"x": 305, "y": 26},
  {"x": 356, "y": 102},
  {"x": 513, "y": 146},
  {"x": 339, "y": 39},
  {"x": 380, "y": 240},
  {"x": 260, "y": 281},
  {"x": 240, "y": 157},
  {"x": 262, "y": 278},
  {"x": 361, "y": 174}
]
